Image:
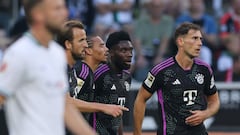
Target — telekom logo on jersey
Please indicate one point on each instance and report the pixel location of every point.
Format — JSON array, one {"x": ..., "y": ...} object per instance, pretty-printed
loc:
[{"x": 189, "y": 96}]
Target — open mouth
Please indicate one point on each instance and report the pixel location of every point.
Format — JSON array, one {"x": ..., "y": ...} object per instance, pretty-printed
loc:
[{"x": 128, "y": 62}]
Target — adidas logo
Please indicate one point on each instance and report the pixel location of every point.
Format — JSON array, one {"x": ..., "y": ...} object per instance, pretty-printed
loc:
[
  {"x": 176, "y": 82},
  {"x": 113, "y": 87}
]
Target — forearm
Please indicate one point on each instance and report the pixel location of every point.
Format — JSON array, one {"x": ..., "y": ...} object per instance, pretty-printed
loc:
[
  {"x": 84, "y": 106},
  {"x": 75, "y": 122},
  {"x": 138, "y": 114},
  {"x": 213, "y": 105},
  {"x": 120, "y": 129}
]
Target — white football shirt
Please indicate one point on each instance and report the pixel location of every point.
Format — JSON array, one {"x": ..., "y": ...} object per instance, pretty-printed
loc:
[{"x": 34, "y": 81}]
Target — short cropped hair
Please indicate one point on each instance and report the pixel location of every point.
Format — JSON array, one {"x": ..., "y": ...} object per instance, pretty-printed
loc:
[
  {"x": 115, "y": 37},
  {"x": 184, "y": 28},
  {"x": 28, "y": 5},
  {"x": 67, "y": 32},
  {"x": 90, "y": 40}
]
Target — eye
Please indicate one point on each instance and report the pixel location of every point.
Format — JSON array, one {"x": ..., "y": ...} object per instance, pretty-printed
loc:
[{"x": 81, "y": 40}]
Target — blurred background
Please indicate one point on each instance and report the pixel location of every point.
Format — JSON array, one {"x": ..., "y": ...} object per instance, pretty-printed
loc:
[{"x": 151, "y": 24}]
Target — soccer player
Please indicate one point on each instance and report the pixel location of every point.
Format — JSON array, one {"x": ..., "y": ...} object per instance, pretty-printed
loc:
[
  {"x": 96, "y": 53},
  {"x": 112, "y": 81},
  {"x": 33, "y": 76},
  {"x": 185, "y": 87},
  {"x": 74, "y": 40}
]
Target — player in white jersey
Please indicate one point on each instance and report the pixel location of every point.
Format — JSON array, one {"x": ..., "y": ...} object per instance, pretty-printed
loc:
[{"x": 33, "y": 76}]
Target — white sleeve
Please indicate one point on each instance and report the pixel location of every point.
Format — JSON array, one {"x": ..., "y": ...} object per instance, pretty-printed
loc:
[{"x": 11, "y": 72}]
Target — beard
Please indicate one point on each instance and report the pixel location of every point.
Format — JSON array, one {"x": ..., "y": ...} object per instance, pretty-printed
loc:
[{"x": 77, "y": 57}]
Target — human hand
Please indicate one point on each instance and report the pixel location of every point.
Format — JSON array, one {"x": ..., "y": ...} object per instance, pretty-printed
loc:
[
  {"x": 196, "y": 118},
  {"x": 114, "y": 110}
]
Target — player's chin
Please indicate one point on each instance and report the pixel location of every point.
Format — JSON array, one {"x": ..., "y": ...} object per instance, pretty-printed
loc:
[{"x": 127, "y": 66}]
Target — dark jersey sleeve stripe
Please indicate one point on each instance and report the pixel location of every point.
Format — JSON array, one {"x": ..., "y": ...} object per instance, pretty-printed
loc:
[
  {"x": 100, "y": 68},
  {"x": 162, "y": 65},
  {"x": 100, "y": 73}
]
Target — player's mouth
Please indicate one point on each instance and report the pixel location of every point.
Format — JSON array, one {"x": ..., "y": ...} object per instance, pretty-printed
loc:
[
  {"x": 128, "y": 62},
  {"x": 106, "y": 55},
  {"x": 198, "y": 50}
]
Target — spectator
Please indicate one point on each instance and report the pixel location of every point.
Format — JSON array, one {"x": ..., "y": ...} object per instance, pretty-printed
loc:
[
  {"x": 232, "y": 74},
  {"x": 5, "y": 13},
  {"x": 82, "y": 10},
  {"x": 176, "y": 7},
  {"x": 113, "y": 15},
  {"x": 152, "y": 33},
  {"x": 232, "y": 45},
  {"x": 104, "y": 20},
  {"x": 230, "y": 21}
]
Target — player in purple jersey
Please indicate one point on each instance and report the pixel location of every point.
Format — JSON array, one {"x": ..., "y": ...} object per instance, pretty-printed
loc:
[
  {"x": 95, "y": 53},
  {"x": 73, "y": 39},
  {"x": 112, "y": 81},
  {"x": 185, "y": 87}
]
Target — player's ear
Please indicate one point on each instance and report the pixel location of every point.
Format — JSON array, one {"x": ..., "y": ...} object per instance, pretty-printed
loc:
[
  {"x": 180, "y": 41},
  {"x": 89, "y": 51},
  {"x": 68, "y": 45}
]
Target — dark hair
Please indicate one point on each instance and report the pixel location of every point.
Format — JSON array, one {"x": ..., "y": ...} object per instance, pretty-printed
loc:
[
  {"x": 115, "y": 37},
  {"x": 90, "y": 40},
  {"x": 184, "y": 28},
  {"x": 28, "y": 5},
  {"x": 67, "y": 32}
]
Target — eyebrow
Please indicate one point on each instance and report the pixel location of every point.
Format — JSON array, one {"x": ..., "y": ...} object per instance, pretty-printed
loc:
[{"x": 82, "y": 39}]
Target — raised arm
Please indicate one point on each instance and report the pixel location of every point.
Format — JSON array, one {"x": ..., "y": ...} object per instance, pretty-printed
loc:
[{"x": 139, "y": 109}]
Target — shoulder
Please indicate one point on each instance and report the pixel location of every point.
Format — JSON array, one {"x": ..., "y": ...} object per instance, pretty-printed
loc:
[
  {"x": 82, "y": 69},
  {"x": 20, "y": 48},
  {"x": 185, "y": 17},
  {"x": 167, "y": 18},
  {"x": 102, "y": 69},
  {"x": 208, "y": 17},
  {"x": 203, "y": 64},
  {"x": 225, "y": 18},
  {"x": 161, "y": 66}
]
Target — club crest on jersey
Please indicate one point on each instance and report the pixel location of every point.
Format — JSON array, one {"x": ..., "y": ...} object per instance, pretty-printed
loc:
[
  {"x": 200, "y": 78},
  {"x": 80, "y": 84},
  {"x": 150, "y": 79},
  {"x": 127, "y": 86}
]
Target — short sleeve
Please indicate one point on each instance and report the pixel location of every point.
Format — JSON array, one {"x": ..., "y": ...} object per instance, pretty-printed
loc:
[
  {"x": 11, "y": 72},
  {"x": 151, "y": 83},
  {"x": 210, "y": 88}
]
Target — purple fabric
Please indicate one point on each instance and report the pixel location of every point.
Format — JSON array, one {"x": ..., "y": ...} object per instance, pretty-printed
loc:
[{"x": 160, "y": 100}]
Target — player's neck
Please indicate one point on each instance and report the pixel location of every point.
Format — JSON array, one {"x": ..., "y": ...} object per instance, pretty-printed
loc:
[
  {"x": 70, "y": 59},
  {"x": 41, "y": 35},
  {"x": 93, "y": 64},
  {"x": 115, "y": 68},
  {"x": 184, "y": 62}
]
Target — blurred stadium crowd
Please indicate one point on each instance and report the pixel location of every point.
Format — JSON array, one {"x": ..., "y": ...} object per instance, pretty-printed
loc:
[{"x": 150, "y": 24}]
